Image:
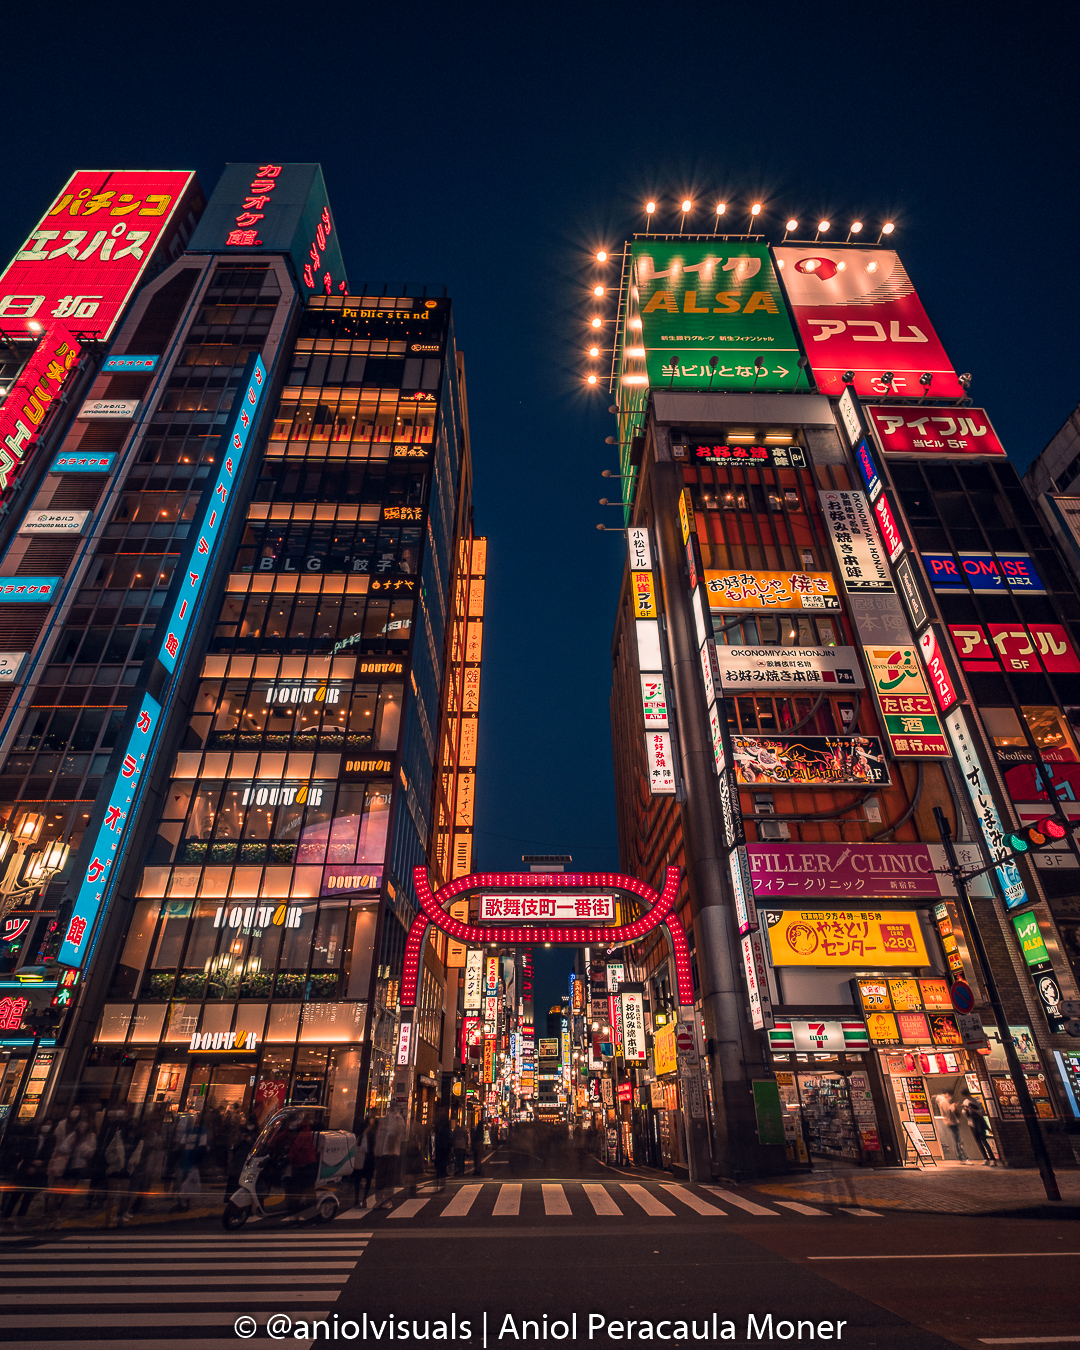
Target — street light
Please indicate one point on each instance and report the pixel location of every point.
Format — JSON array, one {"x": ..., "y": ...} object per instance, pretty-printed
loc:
[{"x": 42, "y": 866}]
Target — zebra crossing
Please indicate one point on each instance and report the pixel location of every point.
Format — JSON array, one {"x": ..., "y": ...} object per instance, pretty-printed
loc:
[
  {"x": 493, "y": 1200},
  {"x": 154, "y": 1290}
]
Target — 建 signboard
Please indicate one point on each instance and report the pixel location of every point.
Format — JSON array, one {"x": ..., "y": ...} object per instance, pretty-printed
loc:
[
  {"x": 853, "y": 532},
  {"x": 771, "y": 590},
  {"x": 86, "y": 256},
  {"x": 711, "y": 317},
  {"x": 810, "y": 761},
  {"x": 851, "y": 938},
  {"x": 907, "y": 707},
  {"x": 29, "y": 399},
  {"x": 98, "y": 875},
  {"x": 857, "y": 311},
  {"x": 934, "y": 431},
  {"x": 822, "y": 669}
]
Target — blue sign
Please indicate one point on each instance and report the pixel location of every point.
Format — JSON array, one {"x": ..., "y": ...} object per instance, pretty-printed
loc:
[
  {"x": 868, "y": 469},
  {"x": 95, "y": 882},
  {"x": 209, "y": 528},
  {"x": 83, "y": 463},
  {"x": 137, "y": 364},
  {"x": 983, "y": 572},
  {"x": 28, "y": 590}
]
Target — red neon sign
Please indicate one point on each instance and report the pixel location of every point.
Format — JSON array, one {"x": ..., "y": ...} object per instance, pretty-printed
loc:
[
  {"x": 27, "y": 404},
  {"x": 87, "y": 253}
]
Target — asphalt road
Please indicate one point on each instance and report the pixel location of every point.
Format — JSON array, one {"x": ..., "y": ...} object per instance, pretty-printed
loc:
[{"x": 497, "y": 1252}]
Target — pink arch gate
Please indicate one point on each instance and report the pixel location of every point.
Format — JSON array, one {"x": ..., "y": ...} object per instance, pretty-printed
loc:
[{"x": 659, "y": 912}]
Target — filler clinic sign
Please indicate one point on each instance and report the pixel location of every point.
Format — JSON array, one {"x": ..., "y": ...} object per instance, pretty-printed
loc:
[
  {"x": 98, "y": 874},
  {"x": 700, "y": 301},
  {"x": 857, "y": 310},
  {"x": 208, "y": 531},
  {"x": 83, "y": 261}
]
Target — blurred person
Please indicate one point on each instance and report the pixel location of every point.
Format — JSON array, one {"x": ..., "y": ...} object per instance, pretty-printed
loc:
[
  {"x": 122, "y": 1155},
  {"x": 460, "y": 1140},
  {"x": 951, "y": 1116},
  {"x": 975, "y": 1115},
  {"x": 304, "y": 1161},
  {"x": 443, "y": 1142},
  {"x": 388, "y": 1142},
  {"x": 27, "y": 1152},
  {"x": 478, "y": 1148},
  {"x": 364, "y": 1167},
  {"x": 243, "y": 1131}
]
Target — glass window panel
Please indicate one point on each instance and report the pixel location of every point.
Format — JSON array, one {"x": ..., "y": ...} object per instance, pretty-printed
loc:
[
  {"x": 345, "y": 830},
  {"x": 388, "y": 717},
  {"x": 329, "y": 937},
  {"x": 372, "y": 845},
  {"x": 203, "y": 809},
  {"x": 171, "y": 934}
]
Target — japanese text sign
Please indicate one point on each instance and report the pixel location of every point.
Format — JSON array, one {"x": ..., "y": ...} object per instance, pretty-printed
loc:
[
  {"x": 474, "y": 979},
  {"x": 771, "y": 590},
  {"x": 852, "y": 938},
  {"x": 633, "y": 1025},
  {"x": 110, "y": 832},
  {"x": 79, "y": 463},
  {"x": 857, "y": 310},
  {"x": 810, "y": 761},
  {"x": 654, "y": 702},
  {"x": 868, "y": 470},
  {"x": 637, "y": 543},
  {"x": 20, "y": 590},
  {"x": 554, "y": 908},
  {"x": 208, "y": 529},
  {"x": 1030, "y": 938},
  {"x": 934, "y": 431},
  {"x": 820, "y": 669},
  {"x": 660, "y": 764},
  {"x": 757, "y": 981},
  {"x": 1015, "y": 646},
  {"x": 641, "y": 586},
  {"x": 871, "y": 870},
  {"x": 890, "y": 532},
  {"x": 83, "y": 261},
  {"x": 29, "y": 399},
  {"x": 854, "y": 535},
  {"x": 665, "y": 1058},
  {"x": 711, "y": 316},
  {"x": 985, "y": 811},
  {"x": 941, "y": 683},
  {"x": 907, "y": 708}
]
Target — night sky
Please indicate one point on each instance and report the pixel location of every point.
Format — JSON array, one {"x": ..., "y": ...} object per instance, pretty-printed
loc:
[{"x": 493, "y": 148}]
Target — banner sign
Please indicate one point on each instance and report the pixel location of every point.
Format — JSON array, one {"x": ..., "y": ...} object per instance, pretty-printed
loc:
[
  {"x": 108, "y": 409},
  {"x": 852, "y": 938},
  {"x": 89, "y": 250},
  {"x": 907, "y": 707},
  {"x": 474, "y": 979},
  {"x": 138, "y": 365},
  {"x": 654, "y": 702},
  {"x": 637, "y": 542},
  {"x": 208, "y": 530},
  {"x": 986, "y": 813},
  {"x": 658, "y": 758},
  {"x": 53, "y": 522},
  {"x": 857, "y": 311},
  {"x": 757, "y": 981},
  {"x": 934, "y": 431},
  {"x": 632, "y": 1006},
  {"x": 556, "y": 908},
  {"x": 712, "y": 317},
  {"x": 796, "y": 1034},
  {"x": 24, "y": 410},
  {"x": 868, "y": 470},
  {"x": 20, "y": 590},
  {"x": 849, "y": 519},
  {"x": 771, "y": 590},
  {"x": 77, "y": 463},
  {"x": 641, "y": 586},
  {"x": 828, "y": 669},
  {"x": 941, "y": 682},
  {"x": 1037, "y": 646},
  {"x": 76, "y": 944},
  {"x": 810, "y": 761},
  {"x": 906, "y": 870},
  {"x": 983, "y": 573},
  {"x": 890, "y": 531}
]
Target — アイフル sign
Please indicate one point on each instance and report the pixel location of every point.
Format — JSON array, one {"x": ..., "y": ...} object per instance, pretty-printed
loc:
[{"x": 934, "y": 431}]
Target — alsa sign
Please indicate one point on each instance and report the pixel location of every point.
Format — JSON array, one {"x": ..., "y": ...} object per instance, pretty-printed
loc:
[
  {"x": 934, "y": 431},
  {"x": 857, "y": 310},
  {"x": 32, "y": 395},
  {"x": 84, "y": 259}
]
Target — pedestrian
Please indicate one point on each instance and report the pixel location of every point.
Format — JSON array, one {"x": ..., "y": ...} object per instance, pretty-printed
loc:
[
  {"x": 122, "y": 1154},
  {"x": 28, "y": 1153},
  {"x": 975, "y": 1116},
  {"x": 947, "y": 1109},
  {"x": 243, "y": 1131},
  {"x": 364, "y": 1167},
  {"x": 478, "y": 1148},
  {"x": 443, "y": 1142},
  {"x": 304, "y": 1162},
  {"x": 388, "y": 1141},
  {"x": 460, "y": 1144},
  {"x": 190, "y": 1142},
  {"x": 71, "y": 1163}
]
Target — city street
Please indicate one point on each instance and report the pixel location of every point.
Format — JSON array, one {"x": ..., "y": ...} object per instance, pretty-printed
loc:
[{"x": 624, "y": 1247}]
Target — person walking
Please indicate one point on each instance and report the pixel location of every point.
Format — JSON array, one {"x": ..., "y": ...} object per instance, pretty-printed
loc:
[
  {"x": 389, "y": 1139},
  {"x": 243, "y": 1131},
  {"x": 478, "y": 1148},
  {"x": 443, "y": 1142},
  {"x": 122, "y": 1155},
  {"x": 28, "y": 1153},
  {"x": 975, "y": 1116},
  {"x": 951, "y": 1116},
  {"x": 460, "y": 1141},
  {"x": 364, "y": 1167}
]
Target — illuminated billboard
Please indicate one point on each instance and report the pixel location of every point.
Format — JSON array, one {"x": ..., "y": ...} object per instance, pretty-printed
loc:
[
  {"x": 707, "y": 315},
  {"x": 857, "y": 311},
  {"x": 29, "y": 399},
  {"x": 851, "y": 938},
  {"x": 907, "y": 707},
  {"x": 809, "y": 761},
  {"x": 85, "y": 257},
  {"x": 275, "y": 207},
  {"x": 771, "y": 590},
  {"x": 934, "y": 431}
]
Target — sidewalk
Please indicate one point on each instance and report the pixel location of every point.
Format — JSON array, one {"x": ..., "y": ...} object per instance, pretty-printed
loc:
[{"x": 950, "y": 1188}]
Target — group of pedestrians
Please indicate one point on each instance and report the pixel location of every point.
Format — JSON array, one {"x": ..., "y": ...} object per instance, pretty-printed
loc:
[
  {"x": 972, "y": 1111},
  {"x": 388, "y": 1154}
]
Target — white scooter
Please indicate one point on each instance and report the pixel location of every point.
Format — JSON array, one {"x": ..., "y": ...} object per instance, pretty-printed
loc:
[{"x": 269, "y": 1185}]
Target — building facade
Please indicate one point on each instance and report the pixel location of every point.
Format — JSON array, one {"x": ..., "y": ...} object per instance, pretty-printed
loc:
[
  {"x": 823, "y": 655},
  {"x": 269, "y": 587}
]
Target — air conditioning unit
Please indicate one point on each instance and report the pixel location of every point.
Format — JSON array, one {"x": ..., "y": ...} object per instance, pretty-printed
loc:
[{"x": 773, "y": 829}]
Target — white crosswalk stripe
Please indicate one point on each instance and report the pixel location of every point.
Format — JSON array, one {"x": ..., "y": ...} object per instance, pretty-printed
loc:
[
  {"x": 751, "y": 1206},
  {"x": 600, "y": 1199},
  {"x": 408, "y": 1209},
  {"x": 555, "y": 1201},
  {"x": 462, "y": 1202},
  {"x": 687, "y": 1196},
  {"x": 508, "y": 1200},
  {"x": 149, "y": 1290},
  {"x": 802, "y": 1209},
  {"x": 648, "y": 1202},
  {"x": 862, "y": 1213}
]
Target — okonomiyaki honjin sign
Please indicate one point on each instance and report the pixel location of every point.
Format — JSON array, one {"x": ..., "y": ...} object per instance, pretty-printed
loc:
[{"x": 813, "y": 761}]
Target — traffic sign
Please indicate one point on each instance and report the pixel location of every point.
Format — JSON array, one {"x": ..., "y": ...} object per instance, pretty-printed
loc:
[
  {"x": 963, "y": 998},
  {"x": 684, "y": 1040}
]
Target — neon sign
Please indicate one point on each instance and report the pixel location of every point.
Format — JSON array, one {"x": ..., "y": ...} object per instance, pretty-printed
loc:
[{"x": 30, "y": 397}]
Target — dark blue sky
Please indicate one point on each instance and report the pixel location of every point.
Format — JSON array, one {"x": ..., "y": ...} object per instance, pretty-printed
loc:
[{"x": 493, "y": 148}]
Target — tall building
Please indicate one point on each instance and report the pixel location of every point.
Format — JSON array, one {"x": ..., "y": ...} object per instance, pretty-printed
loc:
[
  {"x": 826, "y": 636},
  {"x": 231, "y": 713}
]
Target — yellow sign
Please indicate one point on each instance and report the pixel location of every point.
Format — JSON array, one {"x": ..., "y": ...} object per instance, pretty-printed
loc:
[
  {"x": 905, "y": 995},
  {"x": 852, "y": 938},
  {"x": 874, "y": 995},
  {"x": 771, "y": 590},
  {"x": 686, "y": 514},
  {"x": 455, "y": 951},
  {"x": 882, "y": 1028},
  {"x": 664, "y": 1057},
  {"x": 644, "y": 595}
]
